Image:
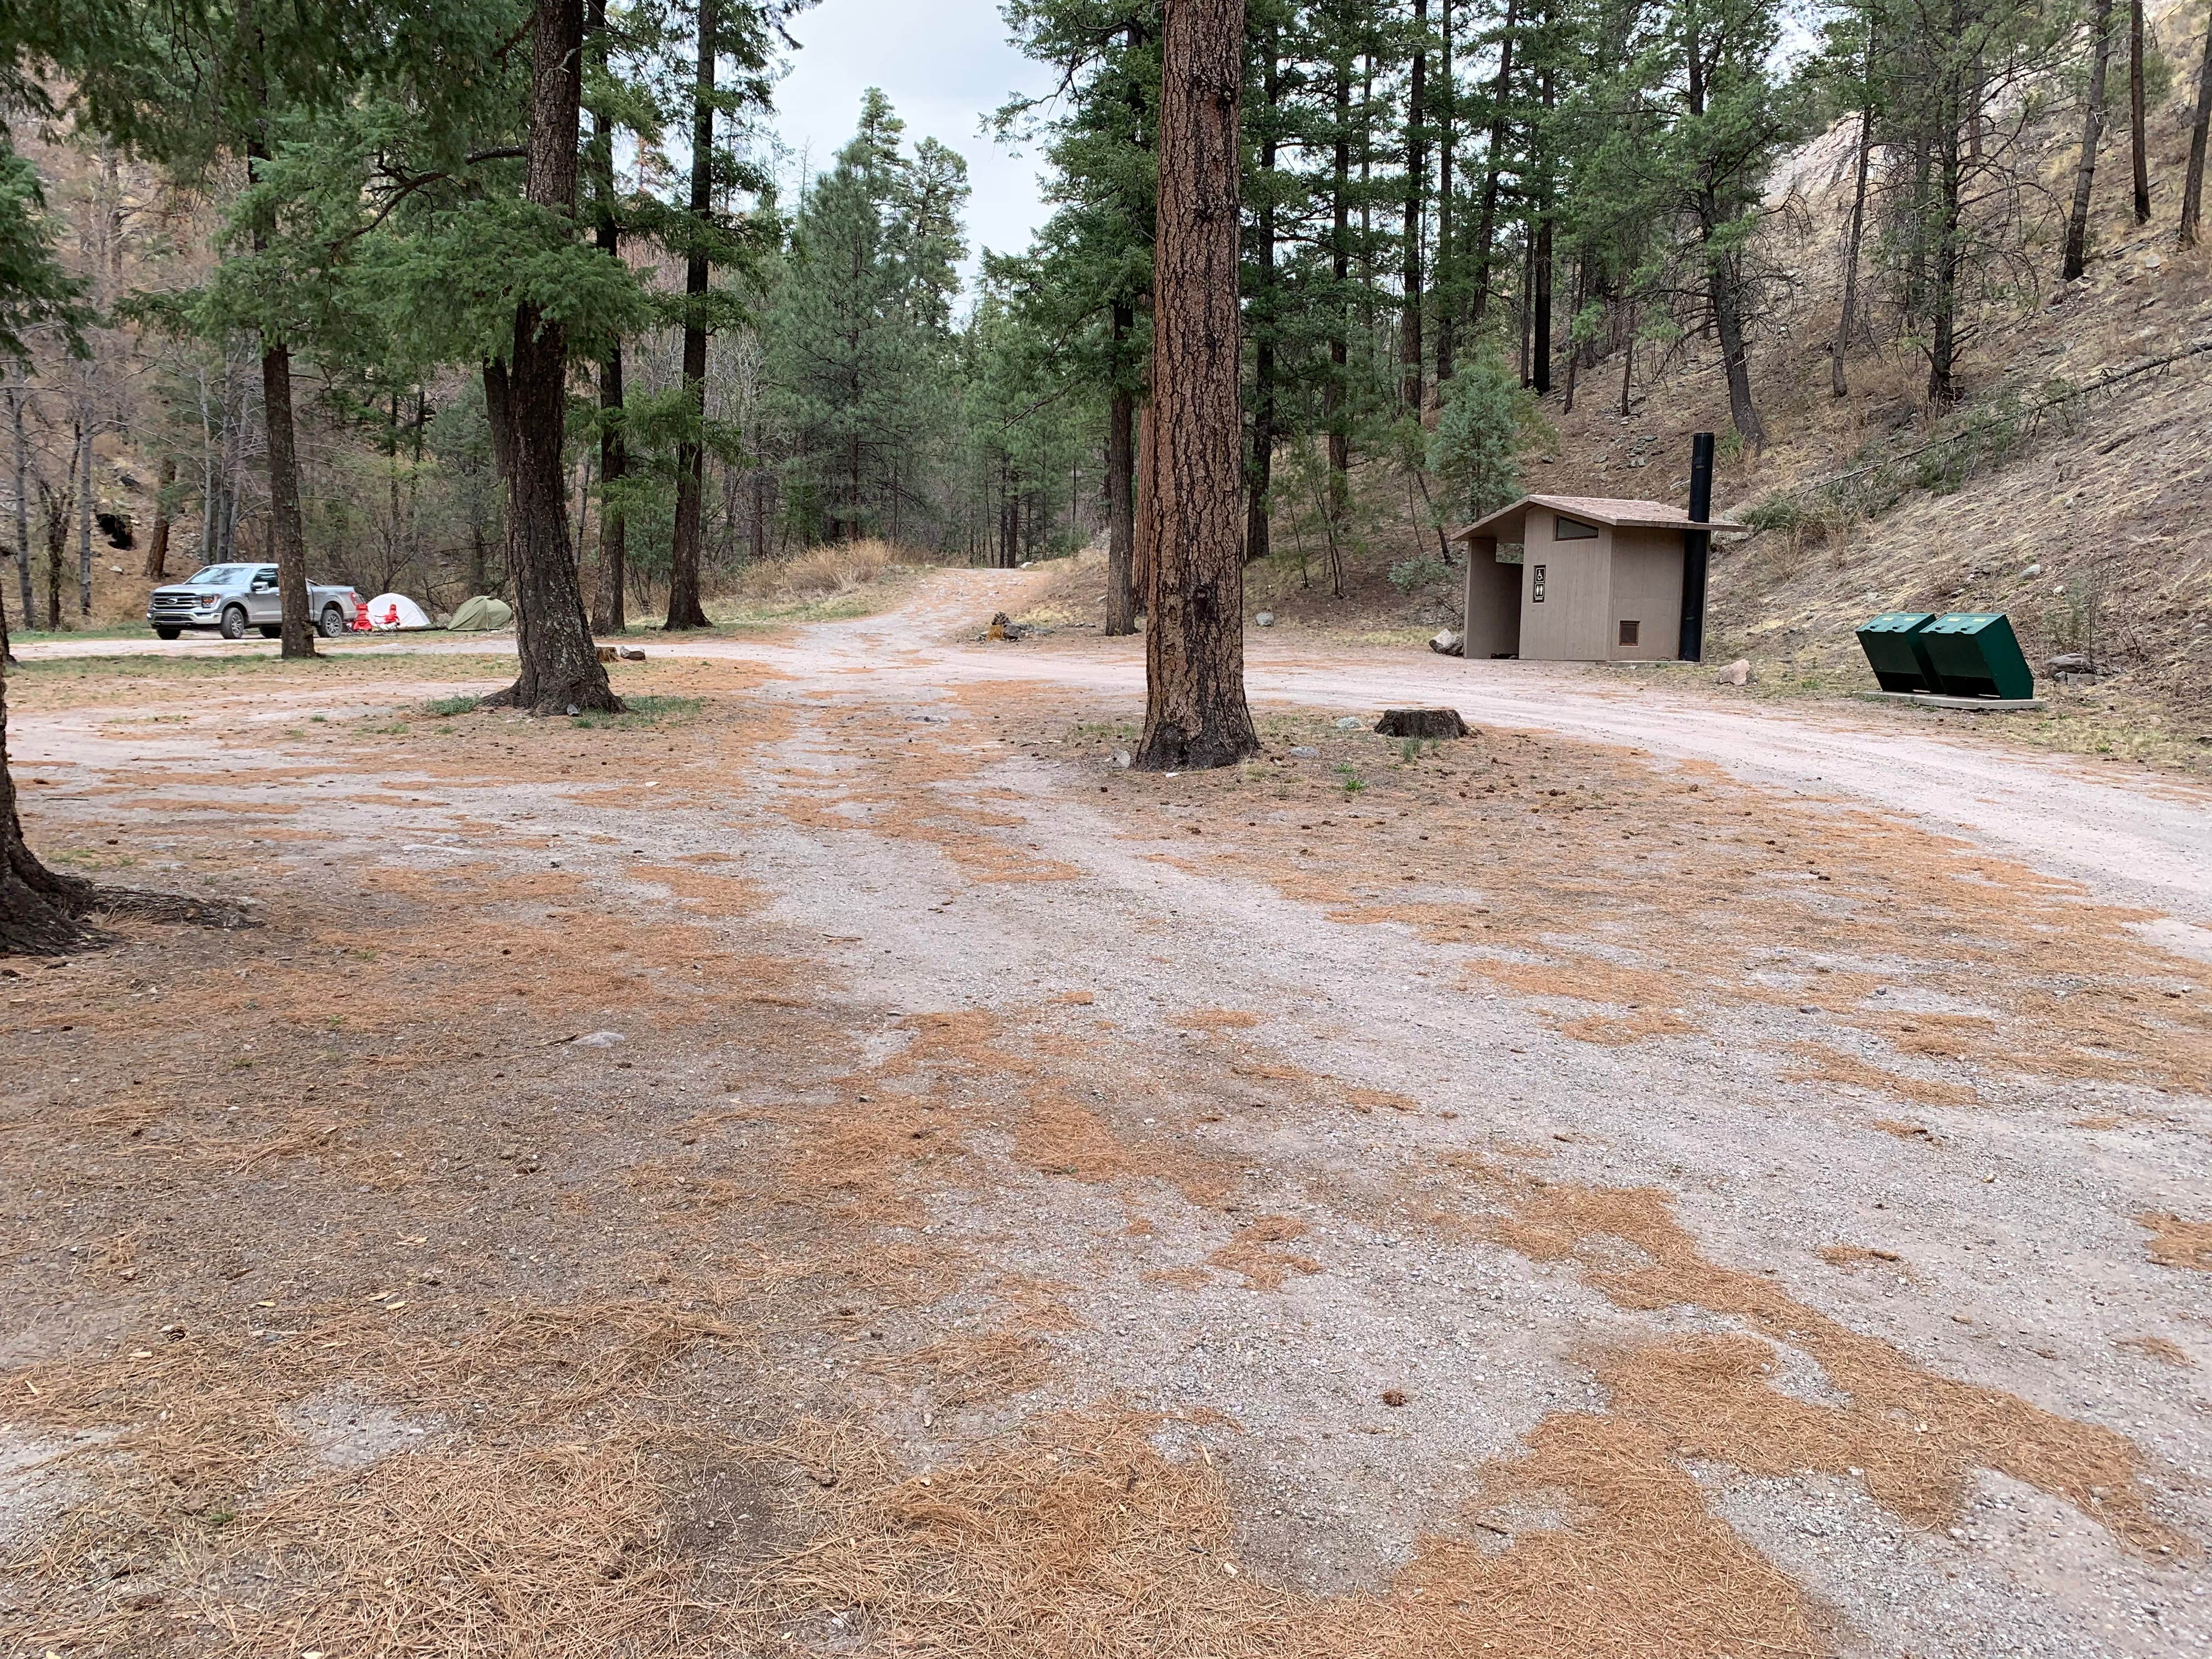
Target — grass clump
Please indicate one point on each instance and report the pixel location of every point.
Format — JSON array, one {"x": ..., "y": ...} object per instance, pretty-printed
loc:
[{"x": 445, "y": 707}]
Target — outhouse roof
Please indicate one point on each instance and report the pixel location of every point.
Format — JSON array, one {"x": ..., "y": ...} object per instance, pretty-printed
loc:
[{"x": 1616, "y": 511}]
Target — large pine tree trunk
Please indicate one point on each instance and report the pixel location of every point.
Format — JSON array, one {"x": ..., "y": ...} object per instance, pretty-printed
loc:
[
  {"x": 1335, "y": 413},
  {"x": 84, "y": 506},
  {"x": 560, "y": 671},
  {"x": 2092, "y": 132},
  {"x": 608, "y": 608},
  {"x": 1195, "y": 711},
  {"x": 22, "y": 474},
  {"x": 1447, "y": 273},
  {"x": 285, "y": 528},
  {"x": 1121, "y": 491},
  {"x": 1486, "y": 223},
  {"x": 38, "y": 908},
  {"x": 608, "y": 603},
  {"x": 1266, "y": 320},
  {"x": 1410, "y": 353},
  {"x": 1540, "y": 306},
  {"x": 685, "y": 610},
  {"x": 1145, "y": 527},
  {"x": 1541, "y": 270}
]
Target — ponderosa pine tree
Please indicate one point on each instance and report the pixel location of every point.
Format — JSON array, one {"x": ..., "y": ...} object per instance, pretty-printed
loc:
[
  {"x": 1733, "y": 117},
  {"x": 1196, "y": 714},
  {"x": 1090, "y": 282},
  {"x": 526, "y": 394},
  {"x": 685, "y": 610},
  {"x": 1410, "y": 353},
  {"x": 2077, "y": 258},
  {"x": 608, "y": 601},
  {"x": 859, "y": 327},
  {"x": 708, "y": 237},
  {"x": 1263, "y": 315}
]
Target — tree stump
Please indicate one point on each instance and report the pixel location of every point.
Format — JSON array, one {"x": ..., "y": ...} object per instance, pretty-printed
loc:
[{"x": 1421, "y": 723}]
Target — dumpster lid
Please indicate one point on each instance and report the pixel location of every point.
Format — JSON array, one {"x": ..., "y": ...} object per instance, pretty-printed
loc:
[
  {"x": 1897, "y": 622},
  {"x": 1967, "y": 622}
]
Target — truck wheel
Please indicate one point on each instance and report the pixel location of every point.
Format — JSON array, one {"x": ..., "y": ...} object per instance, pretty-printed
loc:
[
  {"x": 332, "y": 622},
  {"x": 232, "y": 626},
  {"x": 166, "y": 632}
]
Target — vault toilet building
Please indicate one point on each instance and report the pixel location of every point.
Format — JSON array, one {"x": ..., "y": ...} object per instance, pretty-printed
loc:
[{"x": 1592, "y": 579}]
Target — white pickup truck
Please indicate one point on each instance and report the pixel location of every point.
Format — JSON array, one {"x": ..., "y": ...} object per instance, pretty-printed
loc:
[{"x": 233, "y": 598}]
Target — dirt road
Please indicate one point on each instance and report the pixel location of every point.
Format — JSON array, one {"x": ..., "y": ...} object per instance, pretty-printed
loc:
[
  {"x": 2135, "y": 836},
  {"x": 831, "y": 1164}
]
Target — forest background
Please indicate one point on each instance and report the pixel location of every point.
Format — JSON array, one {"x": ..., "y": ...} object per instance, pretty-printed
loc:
[{"x": 1471, "y": 229}]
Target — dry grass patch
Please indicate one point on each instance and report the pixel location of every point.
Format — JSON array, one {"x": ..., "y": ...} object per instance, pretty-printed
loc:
[
  {"x": 2175, "y": 1242},
  {"x": 1916, "y": 1435},
  {"x": 1083, "y": 1535},
  {"x": 1264, "y": 1268},
  {"x": 2159, "y": 1348},
  {"x": 1829, "y": 1065}
]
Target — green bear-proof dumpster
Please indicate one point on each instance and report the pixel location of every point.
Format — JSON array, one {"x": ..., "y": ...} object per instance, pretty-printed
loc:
[
  {"x": 1893, "y": 651},
  {"x": 1975, "y": 654}
]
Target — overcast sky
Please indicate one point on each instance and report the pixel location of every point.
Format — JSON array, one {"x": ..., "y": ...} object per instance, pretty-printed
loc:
[{"x": 945, "y": 65}]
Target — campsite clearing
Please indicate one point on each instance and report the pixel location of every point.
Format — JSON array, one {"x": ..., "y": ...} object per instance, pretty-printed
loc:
[{"x": 826, "y": 1162}]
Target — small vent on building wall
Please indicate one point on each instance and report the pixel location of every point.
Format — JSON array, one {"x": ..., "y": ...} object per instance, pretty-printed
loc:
[{"x": 1629, "y": 630}]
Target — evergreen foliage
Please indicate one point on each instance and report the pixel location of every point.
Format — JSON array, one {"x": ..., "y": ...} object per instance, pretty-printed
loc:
[{"x": 1514, "y": 191}]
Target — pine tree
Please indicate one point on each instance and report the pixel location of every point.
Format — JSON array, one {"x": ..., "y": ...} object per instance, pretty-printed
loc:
[
  {"x": 1196, "y": 714},
  {"x": 1090, "y": 286},
  {"x": 858, "y": 329},
  {"x": 2076, "y": 256}
]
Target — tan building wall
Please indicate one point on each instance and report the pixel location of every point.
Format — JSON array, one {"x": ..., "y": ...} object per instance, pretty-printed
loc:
[
  {"x": 1571, "y": 622},
  {"x": 1647, "y": 590}
]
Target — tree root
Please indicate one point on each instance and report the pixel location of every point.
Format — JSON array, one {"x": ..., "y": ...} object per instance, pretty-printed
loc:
[
  {"x": 36, "y": 922},
  {"x": 583, "y": 697}
]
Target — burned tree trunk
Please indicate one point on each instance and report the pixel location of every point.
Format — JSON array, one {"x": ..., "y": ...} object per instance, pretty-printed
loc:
[
  {"x": 560, "y": 671},
  {"x": 1195, "y": 713}
]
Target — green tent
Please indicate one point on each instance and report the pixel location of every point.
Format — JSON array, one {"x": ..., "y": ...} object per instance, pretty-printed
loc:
[{"x": 481, "y": 615}]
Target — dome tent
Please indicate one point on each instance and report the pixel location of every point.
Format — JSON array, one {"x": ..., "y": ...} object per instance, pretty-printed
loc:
[
  {"x": 395, "y": 612},
  {"x": 481, "y": 615}
]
